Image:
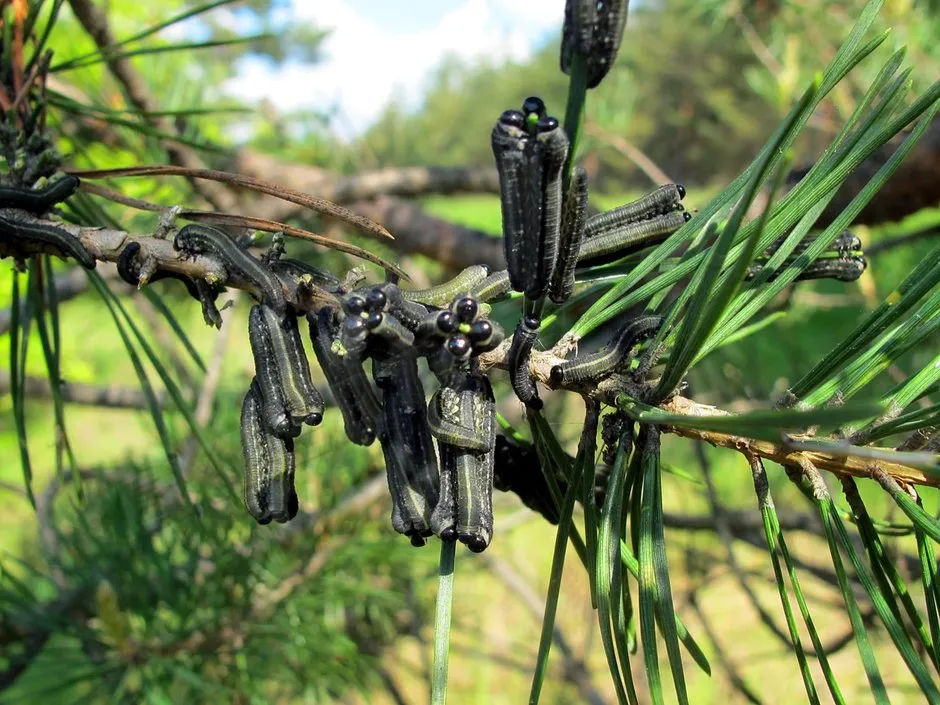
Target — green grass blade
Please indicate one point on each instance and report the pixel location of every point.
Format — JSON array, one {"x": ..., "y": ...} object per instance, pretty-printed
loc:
[
  {"x": 892, "y": 626},
  {"x": 885, "y": 574},
  {"x": 153, "y": 405},
  {"x": 765, "y": 425},
  {"x": 858, "y": 627},
  {"x": 555, "y": 463},
  {"x": 584, "y": 459},
  {"x": 688, "y": 641},
  {"x": 19, "y": 336},
  {"x": 664, "y": 603},
  {"x": 924, "y": 277},
  {"x": 928, "y": 565},
  {"x": 605, "y": 565},
  {"x": 173, "y": 322},
  {"x": 36, "y": 288},
  {"x": 445, "y": 600},
  {"x": 111, "y": 55},
  {"x": 154, "y": 29},
  {"x": 176, "y": 396},
  {"x": 47, "y": 30},
  {"x": 923, "y": 521},
  {"x": 649, "y": 594}
]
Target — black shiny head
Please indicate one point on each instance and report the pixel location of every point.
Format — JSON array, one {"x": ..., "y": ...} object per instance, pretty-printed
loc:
[
  {"x": 459, "y": 346},
  {"x": 556, "y": 375},
  {"x": 354, "y": 305},
  {"x": 354, "y": 325},
  {"x": 687, "y": 217},
  {"x": 376, "y": 300},
  {"x": 531, "y": 322},
  {"x": 466, "y": 308},
  {"x": 447, "y": 322},
  {"x": 477, "y": 544},
  {"x": 374, "y": 320},
  {"x": 547, "y": 124},
  {"x": 681, "y": 189},
  {"x": 480, "y": 332},
  {"x": 513, "y": 118},
  {"x": 417, "y": 540},
  {"x": 533, "y": 105}
]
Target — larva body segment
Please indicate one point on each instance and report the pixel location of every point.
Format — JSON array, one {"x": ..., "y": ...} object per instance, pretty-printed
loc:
[
  {"x": 555, "y": 151},
  {"x": 38, "y": 201},
  {"x": 452, "y": 432},
  {"x": 300, "y": 270},
  {"x": 465, "y": 508},
  {"x": 198, "y": 239},
  {"x": 632, "y": 237},
  {"x": 267, "y": 379},
  {"x": 594, "y": 30},
  {"x": 570, "y": 236},
  {"x": 410, "y": 460},
  {"x": 609, "y": 360},
  {"x": 509, "y": 140},
  {"x": 352, "y": 390},
  {"x": 304, "y": 403},
  {"x": 269, "y": 465},
  {"x": 16, "y": 229},
  {"x": 844, "y": 269},
  {"x": 443, "y": 294},
  {"x": 493, "y": 287},
  {"x": 663, "y": 200},
  {"x": 527, "y": 332}
]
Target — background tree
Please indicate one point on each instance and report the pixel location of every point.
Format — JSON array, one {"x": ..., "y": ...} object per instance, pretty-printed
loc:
[{"x": 137, "y": 577}]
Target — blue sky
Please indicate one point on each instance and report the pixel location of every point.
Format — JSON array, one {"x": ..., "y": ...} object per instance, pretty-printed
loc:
[{"x": 384, "y": 48}]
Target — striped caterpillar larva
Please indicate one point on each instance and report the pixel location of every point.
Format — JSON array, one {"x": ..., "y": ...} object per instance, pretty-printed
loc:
[
  {"x": 38, "y": 201},
  {"x": 197, "y": 239},
  {"x": 554, "y": 142},
  {"x": 351, "y": 389},
  {"x": 15, "y": 229},
  {"x": 494, "y": 286},
  {"x": 612, "y": 358},
  {"x": 508, "y": 140},
  {"x": 453, "y": 432},
  {"x": 465, "y": 508},
  {"x": 594, "y": 30},
  {"x": 845, "y": 269},
  {"x": 570, "y": 237},
  {"x": 304, "y": 402},
  {"x": 442, "y": 294},
  {"x": 633, "y": 237},
  {"x": 527, "y": 332},
  {"x": 845, "y": 243},
  {"x": 410, "y": 461},
  {"x": 269, "y": 465},
  {"x": 267, "y": 378},
  {"x": 663, "y": 200}
]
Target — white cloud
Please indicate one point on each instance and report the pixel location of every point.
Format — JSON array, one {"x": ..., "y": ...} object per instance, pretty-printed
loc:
[{"x": 365, "y": 65}]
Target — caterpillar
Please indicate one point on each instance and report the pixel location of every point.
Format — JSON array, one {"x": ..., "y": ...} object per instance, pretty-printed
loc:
[
  {"x": 38, "y": 201},
  {"x": 662, "y": 201},
  {"x": 571, "y": 235},
  {"x": 527, "y": 332},
  {"x": 493, "y": 287},
  {"x": 605, "y": 362},
  {"x": 845, "y": 269},
  {"x": 465, "y": 508},
  {"x": 352, "y": 391},
  {"x": 633, "y": 237},
  {"x": 267, "y": 378},
  {"x": 405, "y": 437},
  {"x": 508, "y": 141},
  {"x": 269, "y": 465},
  {"x": 197, "y": 239},
  {"x": 442, "y": 294},
  {"x": 14, "y": 230}
]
